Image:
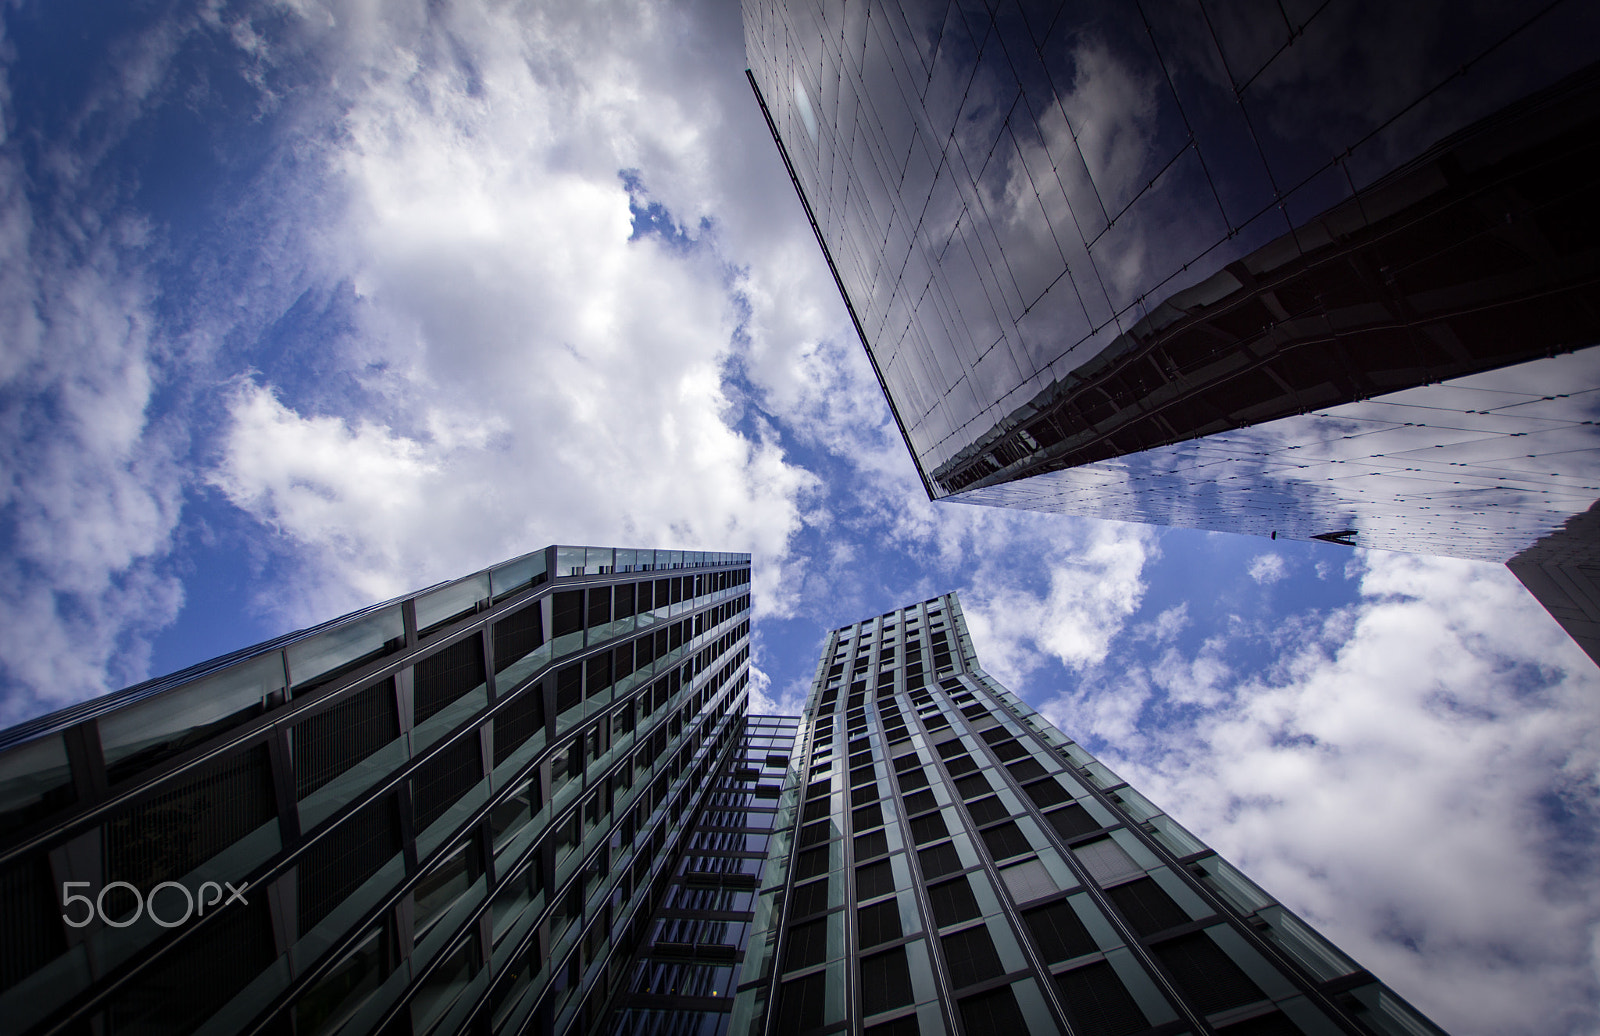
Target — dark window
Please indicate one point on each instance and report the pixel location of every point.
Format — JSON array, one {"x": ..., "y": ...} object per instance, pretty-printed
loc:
[
  {"x": 518, "y": 721},
  {"x": 1004, "y": 840},
  {"x": 33, "y": 932},
  {"x": 864, "y": 775},
  {"x": 338, "y": 737},
  {"x": 950, "y": 748},
  {"x": 863, "y": 795},
  {"x": 928, "y": 828},
  {"x": 938, "y": 860},
  {"x": 809, "y": 899},
  {"x": 878, "y": 923},
  {"x": 1008, "y": 749},
  {"x": 800, "y": 1005},
  {"x": 906, "y": 1026},
  {"x": 1026, "y": 770},
  {"x": 885, "y": 981},
  {"x": 959, "y": 765},
  {"x": 598, "y": 673},
  {"x": 907, "y": 762},
  {"x": 920, "y": 802},
  {"x": 987, "y": 811},
  {"x": 811, "y": 863},
  {"x": 599, "y": 606},
  {"x": 1207, "y": 977},
  {"x": 1072, "y": 821},
  {"x": 193, "y": 816},
  {"x": 569, "y": 687},
  {"x": 198, "y": 977},
  {"x": 1147, "y": 907},
  {"x": 808, "y": 945},
  {"x": 339, "y": 862},
  {"x": 953, "y": 902},
  {"x": 516, "y": 635},
  {"x": 973, "y": 787},
  {"x": 1097, "y": 1003},
  {"x": 1057, "y": 932},
  {"x": 815, "y": 809},
  {"x": 873, "y": 843},
  {"x": 1274, "y": 1024},
  {"x": 812, "y": 834},
  {"x": 567, "y": 615},
  {"x": 875, "y": 879},
  {"x": 440, "y": 679},
  {"x": 624, "y": 600},
  {"x": 992, "y": 1014},
  {"x": 867, "y": 817},
  {"x": 1047, "y": 793},
  {"x": 970, "y": 957},
  {"x": 912, "y": 780},
  {"x": 441, "y": 781}
]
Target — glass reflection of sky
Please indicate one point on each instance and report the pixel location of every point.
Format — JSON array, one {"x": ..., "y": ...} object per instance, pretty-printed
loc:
[{"x": 1478, "y": 467}]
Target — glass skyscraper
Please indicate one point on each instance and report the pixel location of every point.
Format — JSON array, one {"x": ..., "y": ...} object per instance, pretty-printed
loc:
[
  {"x": 453, "y": 812},
  {"x": 1316, "y": 270},
  {"x": 948, "y": 862}
]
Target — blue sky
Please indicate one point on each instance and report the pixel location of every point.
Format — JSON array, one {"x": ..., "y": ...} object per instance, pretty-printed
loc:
[{"x": 304, "y": 305}]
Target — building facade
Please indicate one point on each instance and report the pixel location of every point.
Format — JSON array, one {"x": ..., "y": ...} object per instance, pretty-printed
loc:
[
  {"x": 453, "y": 812},
  {"x": 950, "y": 863},
  {"x": 688, "y": 963},
  {"x": 1323, "y": 271}
]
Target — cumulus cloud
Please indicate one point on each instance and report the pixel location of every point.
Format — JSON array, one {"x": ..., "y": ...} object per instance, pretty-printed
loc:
[
  {"x": 91, "y": 489},
  {"x": 1077, "y": 587},
  {"x": 1267, "y": 569},
  {"x": 1416, "y": 775}
]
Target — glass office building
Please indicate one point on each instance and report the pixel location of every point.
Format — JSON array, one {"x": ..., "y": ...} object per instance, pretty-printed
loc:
[
  {"x": 453, "y": 812},
  {"x": 948, "y": 862},
  {"x": 1319, "y": 270},
  {"x": 683, "y": 976}
]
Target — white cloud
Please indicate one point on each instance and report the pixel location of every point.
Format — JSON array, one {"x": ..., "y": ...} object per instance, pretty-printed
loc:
[
  {"x": 1092, "y": 585},
  {"x": 91, "y": 489},
  {"x": 1415, "y": 777},
  {"x": 1267, "y": 569}
]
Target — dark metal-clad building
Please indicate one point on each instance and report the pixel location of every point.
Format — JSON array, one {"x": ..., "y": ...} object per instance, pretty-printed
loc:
[
  {"x": 953, "y": 864},
  {"x": 1319, "y": 270},
  {"x": 454, "y": 812}
]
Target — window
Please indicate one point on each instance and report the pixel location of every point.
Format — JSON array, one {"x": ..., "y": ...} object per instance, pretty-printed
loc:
[
  {"x": 953, "y": 902},
  {"x": 1208, "y": 977},
  {"x": 875, "y": 879},
  {"x": 1046, "y": 794},
  {"x": 970, "y": 957},
  {"x": 867, "y": 817},
  {"x": 808, "y": 945},
  {"x": 1057, "y": 932},
  {"x": 992, "y": 1014},
  {"x": 1147, "y": 907},
  {"x": 873, "y": 843},
  {"x": 1097, "y": 1003},
  {"x": 1005, "y": 840},
  {"x": 939, "y": 860},
  {"x": 1072, "y": 821},
  {"x": 811, "y": 863},
  {"x": 444, "y": 677},
  {"x": 987, "y": 811},
  {"x": 885, "y": 981},
  {"x": 878, "y": 923},
  {"x": 809, "y": 899},
  {"x": 928, "y": 828},
  {"x": 973, "y": 787},
  {"x": 919, "y": 802}
]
